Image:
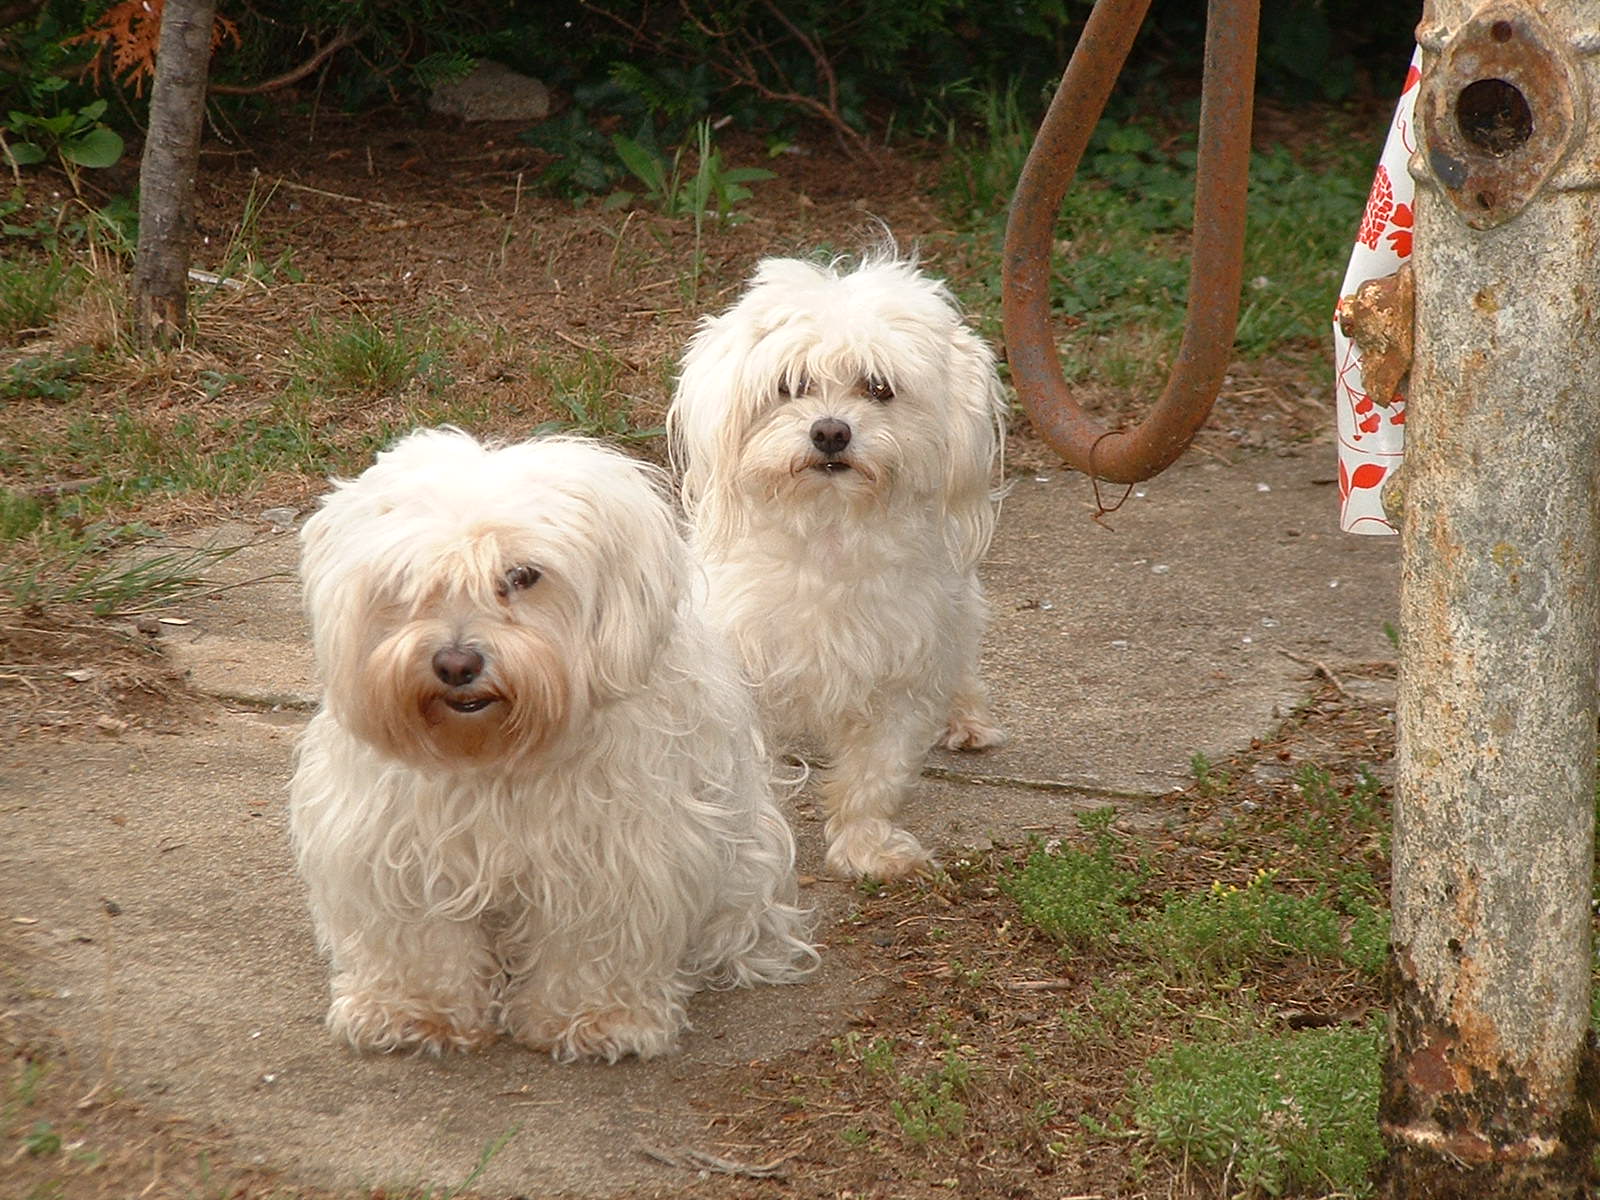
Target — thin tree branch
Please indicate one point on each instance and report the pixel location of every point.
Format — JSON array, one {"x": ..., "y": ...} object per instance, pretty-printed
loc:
[
  {"x": 744, "y": 73},
  {"x": 345, "y": 37}
]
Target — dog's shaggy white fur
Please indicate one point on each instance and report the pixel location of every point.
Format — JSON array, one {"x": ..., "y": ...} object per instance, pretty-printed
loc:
[
  {"x": 837, "y": 433},
  {"x": 535, "y": 799}
]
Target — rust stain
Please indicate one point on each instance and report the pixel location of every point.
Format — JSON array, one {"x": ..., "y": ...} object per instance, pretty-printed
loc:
[
  {"x": 1428, "y": 1067},
  {"x": 1498, "y": 111}
]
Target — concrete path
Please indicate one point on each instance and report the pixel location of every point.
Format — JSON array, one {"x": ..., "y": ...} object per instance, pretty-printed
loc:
[{"x": 1188, "y": 623}]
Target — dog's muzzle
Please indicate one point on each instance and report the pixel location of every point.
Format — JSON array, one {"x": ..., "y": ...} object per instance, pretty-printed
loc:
[
  {"x": 831, "y": 437},
  {"x": 456, "y": 667}
]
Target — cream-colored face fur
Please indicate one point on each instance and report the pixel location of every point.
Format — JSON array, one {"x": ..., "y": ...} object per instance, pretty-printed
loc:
[
  {"x": 468, "y": 607},
  {"x": 466, "y": 663},
  {"x": 823, "y": 392}
]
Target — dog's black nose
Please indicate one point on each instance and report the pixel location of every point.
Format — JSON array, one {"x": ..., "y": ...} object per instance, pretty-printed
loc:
[
  {"x": 457, "y": 666},
  {"x": 830, "y": 435}
]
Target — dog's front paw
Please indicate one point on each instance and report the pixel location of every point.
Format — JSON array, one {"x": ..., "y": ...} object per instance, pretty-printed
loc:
[
  {"x": 972, "y": 730},
  {"x": 874, "y": 847},
  {"x": 386, "y": 1024},
  {"x": 608, "y": 1034}
]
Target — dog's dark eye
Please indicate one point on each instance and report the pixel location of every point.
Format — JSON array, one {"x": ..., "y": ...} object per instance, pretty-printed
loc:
[
  {"x": 518, "y": 578},
  {"x": 798, "y": 387},
  {"x": 878, "y": 388}
]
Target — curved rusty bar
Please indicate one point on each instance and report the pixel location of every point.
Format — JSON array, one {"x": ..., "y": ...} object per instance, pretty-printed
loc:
[{"x": 1221, "y": 181}]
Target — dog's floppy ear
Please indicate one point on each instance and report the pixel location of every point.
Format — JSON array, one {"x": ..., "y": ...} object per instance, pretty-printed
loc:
[
  {"x": 334, "y": 583},
  {"x": 975, "y": 432},
  {"x": 705, "y": 426},
  {"x": 641, "y": 571}
]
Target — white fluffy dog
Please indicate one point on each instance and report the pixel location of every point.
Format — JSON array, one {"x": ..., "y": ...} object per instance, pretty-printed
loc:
[
  {"x": 535, "y": 799},
  {"x": 837, "y": 434}
]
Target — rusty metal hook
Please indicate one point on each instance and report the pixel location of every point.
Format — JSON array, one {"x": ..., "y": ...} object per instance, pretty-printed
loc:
[{"x": 1216, "y": 263}]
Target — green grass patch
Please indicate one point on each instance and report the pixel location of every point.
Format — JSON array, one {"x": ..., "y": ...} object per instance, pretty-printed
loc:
[
  {"x": 1219, "y": 933},
  {"x": 928, "y": 1105},
  {"x": 1090, "y": 899},
  {"x": 585, "y": 389},
  {"x": 32, "y": 291},
  {"x": 79, "y": 570},
  {"x": 367, "y": 358},
  {"x": 1271, "y": 1114}
]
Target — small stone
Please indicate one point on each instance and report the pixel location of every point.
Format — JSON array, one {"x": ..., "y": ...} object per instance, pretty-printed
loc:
[
  {"x": 280, "y": 519},
  {"x": 492, "y": 91}
]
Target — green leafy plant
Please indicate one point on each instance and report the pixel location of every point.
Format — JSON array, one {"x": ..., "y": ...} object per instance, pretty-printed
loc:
[
  {"x": 1274, "y": 1113},
  {"x": 1208, "y": 779},
  {"x": 583, "y": 162},
  {"x": 931, "y": 1107},
  {"x": 711, "y": 189},
  {"x": 1201, "y": 936},
  {"x": 77, "y": 136},
  {"x": 43, "y": 376},
  {"x": 1079, "y": 896},
  {"x": 1115, "y": 1010}
]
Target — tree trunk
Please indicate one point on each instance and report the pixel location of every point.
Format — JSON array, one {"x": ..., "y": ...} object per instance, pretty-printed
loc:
[
  {"x": 167, "y": 171},
  {"x": 1491, "y": 1086}
]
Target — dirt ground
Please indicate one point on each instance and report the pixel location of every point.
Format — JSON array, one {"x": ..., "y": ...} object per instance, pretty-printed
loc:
[{"x": 434, "y": 222}]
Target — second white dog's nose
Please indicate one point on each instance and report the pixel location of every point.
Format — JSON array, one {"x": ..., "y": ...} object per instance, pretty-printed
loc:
[
  {"x": 830, "y": 435},
  {"x": 457, "y": 666}
]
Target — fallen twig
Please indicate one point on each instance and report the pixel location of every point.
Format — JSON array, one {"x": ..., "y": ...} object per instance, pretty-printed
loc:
[
  {"x": 1319, "y": 668},
  {"x": 1037, "y": 985},
  {"x": 698, "y": 1160},
  {"x": 1039, "y": 785}
]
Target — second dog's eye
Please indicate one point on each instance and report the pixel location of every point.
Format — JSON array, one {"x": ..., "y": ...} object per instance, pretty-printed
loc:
[
  {"x": 799, "y": 386},
  {"x": 518, "y": 579},
  {"x": 878, "y": 388}
]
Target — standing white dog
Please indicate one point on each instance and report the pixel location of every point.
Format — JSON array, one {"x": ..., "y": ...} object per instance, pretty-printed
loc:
[
  {"x": 837, "y": 434},
  {"x": 535, "y": 798}
]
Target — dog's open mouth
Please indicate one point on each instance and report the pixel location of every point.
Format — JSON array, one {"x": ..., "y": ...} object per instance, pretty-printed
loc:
[
  {"x": 470, "y": 704},
  {"x": 833, "y": 466}
]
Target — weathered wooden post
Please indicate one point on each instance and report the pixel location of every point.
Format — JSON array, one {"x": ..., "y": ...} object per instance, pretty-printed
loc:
[{"x": 1491, "y": 1086}]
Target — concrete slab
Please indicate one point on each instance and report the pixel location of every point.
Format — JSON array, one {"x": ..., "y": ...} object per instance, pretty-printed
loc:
[
  {"x": 1185, "y": 622},
  {"x": 248, "y": 640}
]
